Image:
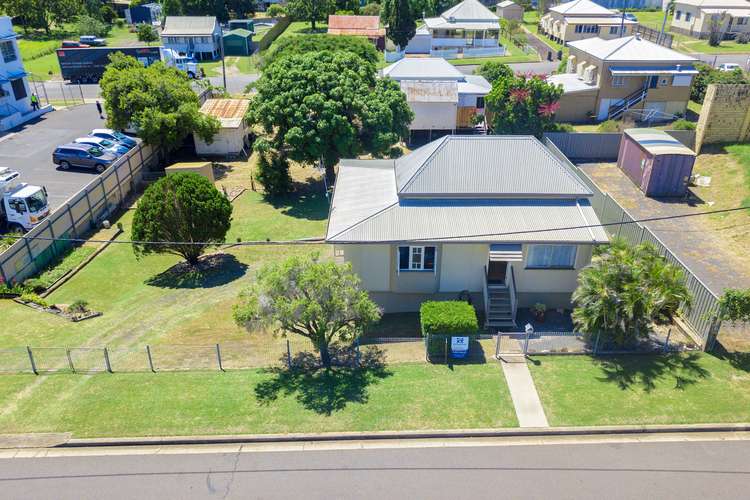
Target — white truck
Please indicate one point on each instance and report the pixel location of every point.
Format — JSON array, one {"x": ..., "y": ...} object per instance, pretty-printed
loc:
[
  {"x": 22, "y": 206},
  {"x": 171, "y": 57}
]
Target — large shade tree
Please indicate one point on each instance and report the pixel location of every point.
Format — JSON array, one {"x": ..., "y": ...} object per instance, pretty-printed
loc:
[
  {"x": 312, "y": 11},
  {"x": 41, "y": 14},
  {"x": 625, "y": 290},
  {"x": 186, "y": 212},
  {"x": 321, "y": 301},
  {"x": 158, "y": 101},
  {"x": 522, "y": 104},
  {"x": 328, "y": 105}
]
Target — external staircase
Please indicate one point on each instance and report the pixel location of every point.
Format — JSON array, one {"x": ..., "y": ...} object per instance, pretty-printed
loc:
[{"x": 617, "y": 109}]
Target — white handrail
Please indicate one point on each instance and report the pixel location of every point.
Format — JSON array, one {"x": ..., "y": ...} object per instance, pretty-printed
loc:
[
  {"x": 486, "y": 299},
  {"x": 512, "y": 293}
]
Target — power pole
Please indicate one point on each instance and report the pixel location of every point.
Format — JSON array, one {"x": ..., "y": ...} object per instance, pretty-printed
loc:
[{"x": 223, "y": 67}]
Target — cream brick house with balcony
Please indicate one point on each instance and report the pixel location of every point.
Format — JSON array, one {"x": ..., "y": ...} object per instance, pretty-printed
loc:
[
  {"x": 694, "y": 17},
  {"x": 606, "y": 78},
  {"x": 582, "y": 19}
]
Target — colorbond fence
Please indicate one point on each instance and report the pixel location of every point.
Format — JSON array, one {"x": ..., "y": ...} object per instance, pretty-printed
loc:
[
  {"x": 603, "y": 147},
  {"x": 80, "y": 214},
  {"x": 705, "y": 303}
]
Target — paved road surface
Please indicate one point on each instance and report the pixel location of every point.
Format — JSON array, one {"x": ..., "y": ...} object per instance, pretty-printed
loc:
[
  {"x": 29, "y": 150},
  {"x": 715, "y": 60},
  {"x": 661, "y": 470}
]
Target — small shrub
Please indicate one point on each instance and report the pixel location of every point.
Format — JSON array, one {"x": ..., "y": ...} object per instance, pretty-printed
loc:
[
  {"x": 79, "y": 307},
  {"x": 120, "y": 23},
  {"x": 734, "y": 305},
  {"x": 539, "y": 308},
  {"x": 450, "y": 317},
  {"x": 743, "y": 38},
  {"x": 34, "y": 299},
  {"x": 371, "y": 9},
  {"x": 275, "y": 10},
  {"x": 565, "y": 127},
  {"x": 273, "y": 172},
  {"x": 16, "y": 289},
  {"x": 683, "y": 124},
  {"x": 35, "y": 285},
  {"x": 609, "y": 126}
]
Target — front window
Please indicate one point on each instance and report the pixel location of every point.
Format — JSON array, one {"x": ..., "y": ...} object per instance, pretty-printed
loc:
[
  {"x": 480, "y": 102},
  {"x": 36, "y": 201},
  {"x": 618, "y": 81},
  {"x": 688, "y": 15},
  {"x": 8, "y": 51},
  {"x": 551, "y": 257},
  {"x": 416, "y": 258},
  {"x": 613, "y": 30},
  {"x": 678, "y": 14}
]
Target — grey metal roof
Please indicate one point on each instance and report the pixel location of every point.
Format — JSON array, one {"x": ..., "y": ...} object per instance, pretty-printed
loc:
[
  {"x": 189, "y": 25},
  {"x": 367, "y": 208},
  {"x": 486, "y": 167},
  {"x": 423, "y": 68},
  {"x": 469, "y": 10}
]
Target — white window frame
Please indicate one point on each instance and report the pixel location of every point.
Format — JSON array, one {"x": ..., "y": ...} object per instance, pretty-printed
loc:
[
  {"x": 618, "y": 81},
  {"x": 416, "y": 250},
  {"x": 688, "y": 16},
  {"x": 542, "y": 267},
  {"x": 678, "y": 14}
]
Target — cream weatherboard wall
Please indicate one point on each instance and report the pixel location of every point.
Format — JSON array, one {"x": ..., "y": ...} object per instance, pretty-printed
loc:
[{"x": 458, "y": 267}]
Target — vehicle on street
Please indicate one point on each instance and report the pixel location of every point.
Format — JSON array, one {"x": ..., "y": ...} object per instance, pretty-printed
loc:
[
  {"x": 88, "y": 65},
  {"x": 728, "y": 66},
  {"x": 115, "y": 136},
  {"x": 630, "y": 17},
  {"x": 107, "y": 145},
  {"x": 82, "y": 155},
  {"x": 92, "y": 40},
  {"x": 22, "y": 206},
  {"x": 72, "y": 44}
]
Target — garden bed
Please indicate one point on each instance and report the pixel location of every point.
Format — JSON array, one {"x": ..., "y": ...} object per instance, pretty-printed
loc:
[{"x": 62, "y": 310}]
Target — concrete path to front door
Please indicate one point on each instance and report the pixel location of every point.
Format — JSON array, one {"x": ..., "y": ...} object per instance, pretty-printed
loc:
[{"x": 526, "y": 401}]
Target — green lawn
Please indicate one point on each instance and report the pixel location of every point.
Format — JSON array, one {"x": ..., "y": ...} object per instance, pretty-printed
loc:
[
  {"x": 689, "y": 388},
  {"x": 394, "y": 397},
  {"x": 531, "y": 23},
  {"x": 301, "y": 28},
  {"x": 57, "y": 269}
]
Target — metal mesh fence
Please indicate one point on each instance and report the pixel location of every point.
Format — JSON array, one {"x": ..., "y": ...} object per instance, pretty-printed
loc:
[{"x": 14, "y": 360}]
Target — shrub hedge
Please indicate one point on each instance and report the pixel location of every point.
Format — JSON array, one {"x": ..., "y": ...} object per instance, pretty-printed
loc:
[{"x": 450, "y": 317}]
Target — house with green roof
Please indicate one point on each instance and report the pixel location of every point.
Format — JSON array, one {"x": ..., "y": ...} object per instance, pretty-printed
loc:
[{"x": 238, "y": 42}]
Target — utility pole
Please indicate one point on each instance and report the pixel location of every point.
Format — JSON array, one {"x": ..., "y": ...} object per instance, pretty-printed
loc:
[
  {"x": 223, "y": 67},
  {"x": 664, "y": 22}
]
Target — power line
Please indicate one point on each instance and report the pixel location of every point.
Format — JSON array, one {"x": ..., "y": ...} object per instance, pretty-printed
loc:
[{"x": 320, "y": 240}]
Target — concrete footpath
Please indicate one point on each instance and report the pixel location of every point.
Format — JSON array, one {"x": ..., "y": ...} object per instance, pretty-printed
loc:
[{"x": 529, "y": 410}]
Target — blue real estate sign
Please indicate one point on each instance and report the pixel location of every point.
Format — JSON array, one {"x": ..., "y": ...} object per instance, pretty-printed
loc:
[{"x": 459, "y": 347}]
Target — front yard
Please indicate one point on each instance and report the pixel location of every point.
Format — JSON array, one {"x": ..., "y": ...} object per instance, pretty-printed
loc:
[
  {"x": 619, "y": 390},
  {"x": 686, "y": 43}
]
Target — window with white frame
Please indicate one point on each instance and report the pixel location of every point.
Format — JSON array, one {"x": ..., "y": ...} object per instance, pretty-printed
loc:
[
  {"x": 678, "y": 15},
  {"x": 551, "y": 257},
  {"x": 618, "y": 81},
  {"x": 587, "y": 28},
  {"x": 613, "y": 30},
  {"x": 416, "y": 258},
  {"x": 688, "y": 15}
]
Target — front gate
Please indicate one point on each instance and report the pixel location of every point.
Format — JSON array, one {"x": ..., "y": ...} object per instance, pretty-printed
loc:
[{"x": 510, "y": 344}]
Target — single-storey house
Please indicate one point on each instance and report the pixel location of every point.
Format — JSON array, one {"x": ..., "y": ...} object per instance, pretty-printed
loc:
[
  {"x": 499, "y": 218},
  {"x": 441, "y": 97},
  {"x": 364, "y": 26},
  {"x": 581, "y": 19},
  {"x": 238, "y": 42},
  {"x": 193, "y": 36},
  {"x": 694, "y": 17},
  {"x": 468, "y": 29},
  {"x": 232, "y": 138},
  {"x": 606, "y": 78},
  {"x": 508, "y": 9}
]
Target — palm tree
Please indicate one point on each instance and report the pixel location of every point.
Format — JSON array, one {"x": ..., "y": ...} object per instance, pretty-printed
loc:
[{"x": 626, "y": 290}]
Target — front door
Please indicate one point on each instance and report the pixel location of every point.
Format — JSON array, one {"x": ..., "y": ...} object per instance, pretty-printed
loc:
[{"x": 496, "y": 272}]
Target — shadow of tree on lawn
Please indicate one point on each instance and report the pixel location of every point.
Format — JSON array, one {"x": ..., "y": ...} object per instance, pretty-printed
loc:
[
  {"x": 321, "y": 390},
  {"x": 646, "y": 371},
  {"x": 213, "y": 270},
  {"x": 307, "y": 201},
  {"x": 738, "y": 360}
]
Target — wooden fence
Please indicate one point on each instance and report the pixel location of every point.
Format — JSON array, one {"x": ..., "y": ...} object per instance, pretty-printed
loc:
[
  {"x": 705, "y": 303},
  {"x": 80, "y": 214}
]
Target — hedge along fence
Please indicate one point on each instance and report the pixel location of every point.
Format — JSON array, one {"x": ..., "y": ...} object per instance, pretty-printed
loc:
[
  {"x": 441, "y": 320},
  {"x": 281, "y": 25},
  {"x": 80, "y": 214}
]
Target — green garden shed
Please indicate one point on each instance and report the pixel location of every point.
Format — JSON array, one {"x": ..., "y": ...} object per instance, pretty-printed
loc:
[{"x": 238, "y": 42}]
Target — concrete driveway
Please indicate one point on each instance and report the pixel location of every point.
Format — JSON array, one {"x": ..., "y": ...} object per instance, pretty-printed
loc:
[{"x": 29, "y": 150}]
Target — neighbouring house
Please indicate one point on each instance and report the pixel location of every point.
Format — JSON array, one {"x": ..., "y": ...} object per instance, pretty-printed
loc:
[
  {"x": 441, "y": 97},
  {"x": 509, "y": 10},
  {"x": 193, "y": 36},
  {"x": 606, "y": 78},
  {"x": 364, "y": 26},
  {"x": 245, "y": 24},
  {"x": 232, "y": 138},
  {"x": 581, "y": 19},
  {"x": 15, "y": 93},
  {"x": 468, "y": 29},
  {"x": 694, "y": 17},
  {"x": 238, "y": 42},
  {"x": 500, "y": 218},
  {"x": 630, "y": 4},
  {"x": 149, "y": 13}
]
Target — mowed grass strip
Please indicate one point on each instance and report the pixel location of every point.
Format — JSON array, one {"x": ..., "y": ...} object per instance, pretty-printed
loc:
[
  {"x": 404, "y": 396},
  {"x": 635, "y": 389}
]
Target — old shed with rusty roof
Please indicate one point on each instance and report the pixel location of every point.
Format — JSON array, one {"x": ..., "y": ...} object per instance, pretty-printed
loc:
[{"x": 232, "y": 138}]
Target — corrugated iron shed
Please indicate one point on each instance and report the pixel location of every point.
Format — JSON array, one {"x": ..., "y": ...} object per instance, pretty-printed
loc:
[{"x": 230, "y": 112}]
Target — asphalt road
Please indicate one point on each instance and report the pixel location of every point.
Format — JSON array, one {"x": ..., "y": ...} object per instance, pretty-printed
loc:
[
  {"x": 29, "y": 150},
  {"x": 664, "y": 470},
  {"x": 715, "y": 60}
]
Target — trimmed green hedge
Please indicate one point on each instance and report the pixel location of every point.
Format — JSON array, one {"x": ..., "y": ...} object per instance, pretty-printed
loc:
[{"x": 450, "y": 317}]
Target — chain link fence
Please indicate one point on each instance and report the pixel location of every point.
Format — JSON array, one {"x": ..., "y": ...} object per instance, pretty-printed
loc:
[{"x": 62, "y": 93}]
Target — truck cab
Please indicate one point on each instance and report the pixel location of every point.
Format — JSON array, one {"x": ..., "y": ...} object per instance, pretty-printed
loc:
[
  {"x": 187, "y": 64},
  {"x": 22, "y": 206}
]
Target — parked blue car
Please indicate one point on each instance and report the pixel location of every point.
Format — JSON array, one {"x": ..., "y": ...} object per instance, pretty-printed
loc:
[
  {"x": 115, "y": 148},
  {"x": 114, "y": 135}
]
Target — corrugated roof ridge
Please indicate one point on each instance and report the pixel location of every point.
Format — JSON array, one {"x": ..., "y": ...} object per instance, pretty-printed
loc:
[
  {"x": 356, "y": 224},
  {"x": 619, "y": 47},
  {"x": 444, "y": 140}
]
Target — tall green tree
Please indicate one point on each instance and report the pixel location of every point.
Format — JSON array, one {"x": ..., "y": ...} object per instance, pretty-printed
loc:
[
  {"x": 158, "y": 101},
  {"x": 42, "y": 14},
  {"x": 328, "y": 105},
  {"x": 493, "y": 70},
  {"x": 301, "y": 45},
  {"x": 523, "y": 104},
  {"x": 321, "y": 301},
  {"x": 147, "y": 33},
  {"x": 400, "y": 18},
  {"x": 625, "y": 290},
  {"x": 311, "y": 11},
  {"x": 186, "y": 212}
]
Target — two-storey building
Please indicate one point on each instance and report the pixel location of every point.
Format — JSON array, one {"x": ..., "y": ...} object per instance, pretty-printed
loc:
[{"x": 193, "y": 36}]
